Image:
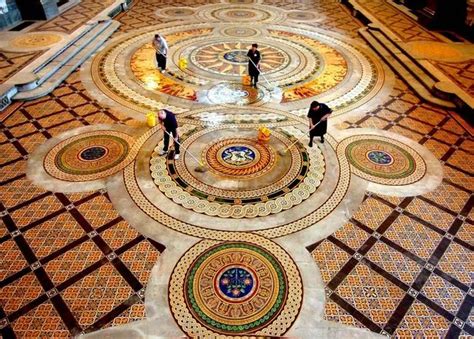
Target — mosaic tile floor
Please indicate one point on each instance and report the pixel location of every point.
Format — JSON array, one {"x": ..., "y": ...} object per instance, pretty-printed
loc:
[{"x": 80, "y": 249}]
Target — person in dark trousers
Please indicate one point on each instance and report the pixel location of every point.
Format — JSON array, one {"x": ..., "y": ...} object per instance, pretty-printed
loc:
[
  {"x": 169, "y": 125},
  {"x": 161, "y": 48},
  {"x": 318, "y": 112},
  {"x": 254, "y": 64}
]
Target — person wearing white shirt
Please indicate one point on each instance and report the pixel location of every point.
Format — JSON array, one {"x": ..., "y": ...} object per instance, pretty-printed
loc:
[{"x": 161, "y": 48}]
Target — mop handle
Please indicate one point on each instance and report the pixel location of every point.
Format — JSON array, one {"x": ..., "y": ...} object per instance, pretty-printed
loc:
[
  {"x": 259, "y": 72},
  {"x": 305, "y": 135},
  {"x": 185, "y": 150}
]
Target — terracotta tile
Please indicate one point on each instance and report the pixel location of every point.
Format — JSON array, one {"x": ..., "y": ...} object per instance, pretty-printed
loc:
[
  {"x": 23, "y": 129},
  {"x": 422, "y": 322},
  {"x": 12, "y": 259},
  {"x": 140, "y": 259},
  {"x": 394, "y": 262},
  {"x": 20, "y": 293},
  {"x": 415, "y": 125},
  {"x": 73, "y": 261},
  {"x": 73, "y": 100},
  {"x": 8, "y": 152},
  {"x": 32, "y": 142},
  {"x": 18, "y": 191},
  {"x": 462, "y": 160},
  {"x": 431, "y": 214},
  {"x": 458, "y": 262},
  {"x": 53, "y": 234},
  {"x": 443, "y": 293},
  {"x": 119, "y": 235},
  {"x": 370, "y": 293},
  {"x": 413, "y": 236},
  {"x": 372, "y": 213},
  {"x": 42, "y": 321},
  {"x": 44, "y": 108},
  {"x": 330, "y": 259},
  {"x": 427, "y": 115},
  {"x": 352, "y": 235},
  {"x": 437, "y": 148},
  {"x": 96, "y": 294},
  {"x": 374, "y": 122},
  {"x": 445, "y": 136},
  {"x": 12, "y": 170},
  {"x": 36, "y": 210},
  {"x": 407, "y": 133},
  {"x": 98, "y": 211}
]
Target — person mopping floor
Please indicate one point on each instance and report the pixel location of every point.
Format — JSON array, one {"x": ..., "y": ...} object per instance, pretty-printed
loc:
[
  {"x": 169, "y": 124},
  {"x": 318, "y": 115},
  {"x": 161, "y": 49}
]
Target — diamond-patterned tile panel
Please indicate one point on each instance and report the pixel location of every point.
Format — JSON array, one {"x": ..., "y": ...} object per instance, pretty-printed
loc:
[
  {"x": 73, "y": 261},
  {"x": 394, "y": 262},
  {"x": 96, "y": 294},
  {"x": 458, "y": 177},
  {"x": 445, "y": 136},
  {"x": 430, "y": 213},
  {"x": 53, "y": 234},
  {"x": 415, "y": 125},
  {"x": 372, "y": 213},
  {"x": 42, "y": 321},
  {"x": 13, "y": 170},
  {"x": 437, "y": 148},
  {"x": 18, "y": 191},
  {"x": 98, "y": 211},
  {"x": 119, "y": 235},
  {"x": 370, "y": 293},
  {"x": 140, "y": 259},
  {"x": 134, "y": 313},
  {"x": 466, "y": 233},
  {"x": 330, "y": 259},
  {"x": 352, "y": 235},
  {"x": 463, "y": 160},
  {"x": 43, "y": 108},
  {"x": 443, "y": 293},
  {"x": 422, "y": 322},
  {"x": 19, "y": 293},
  {"x": 413, "y": 236},
  {"x": 458, "y": 262},
  {"x": 334, "y": 312},
  {"x": 449, "y": 196},
  {"x": 12, "y": 259},
  {"x": 415, "y": 136},
  {"x": 8, "y": 152},
  {"x": 32, "y": 142},
  {"x": 427, "y": 114},
  {"x": 36, "y": 210}
]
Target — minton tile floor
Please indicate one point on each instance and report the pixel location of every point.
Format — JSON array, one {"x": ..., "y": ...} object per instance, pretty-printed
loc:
[{"x": 71, "y": 264}]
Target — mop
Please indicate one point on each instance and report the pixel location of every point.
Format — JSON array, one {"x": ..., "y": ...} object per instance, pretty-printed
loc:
[
  {"x": 276, "y": 91},
  {"x": 201, "y": 168},
  {"x": 282, "y": 153}
]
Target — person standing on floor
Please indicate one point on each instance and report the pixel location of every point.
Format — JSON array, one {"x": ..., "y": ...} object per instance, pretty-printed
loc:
[
  {"x": 254, "y": 64},
  {"x": 169, "y": 125},
  {"x": 318, "y": 113},
  {"x": 161, "y": 48}
]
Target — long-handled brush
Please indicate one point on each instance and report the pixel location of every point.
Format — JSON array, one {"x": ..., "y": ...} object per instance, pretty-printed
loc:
[
  {"x": 282, "y": 153},
  {"x": 201, "y": 168}
]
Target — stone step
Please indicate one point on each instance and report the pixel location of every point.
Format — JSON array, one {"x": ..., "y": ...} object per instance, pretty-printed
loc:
[
  {"x": 403, "y": 66},
  {"x": 84, "y": 48}
]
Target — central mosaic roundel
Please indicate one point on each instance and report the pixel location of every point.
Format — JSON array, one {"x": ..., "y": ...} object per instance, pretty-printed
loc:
[
  {"x": 238, "y": 56},
  {"x": 93, "y": 153},
  {"x": 244, "y": 178},
  {"x": 235, "y": 288}
]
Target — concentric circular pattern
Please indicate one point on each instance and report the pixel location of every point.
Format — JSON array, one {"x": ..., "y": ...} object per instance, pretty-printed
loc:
[
  {"x": 239, "y": 157},
  {"x": 243, "y": 179},
  {"x": 239, "y": 32},
  {"x": 301, "y": 16},
  {"x": 176, "y": 12},
  {"x": 230, "y": 58},
  {"x": 35, "y": 40},
  {"x": 383, "y": 160},
  {"x": 235, "y": 288},
  {"x": 88, "y": 156},
  {"x": 235, "y": 94}
]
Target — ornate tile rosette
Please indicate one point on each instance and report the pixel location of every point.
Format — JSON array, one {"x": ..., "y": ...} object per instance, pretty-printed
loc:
[
  {"x": 89, "y": 156},
  {"x": 383, "y": 160},
  {"x": 264, "y": 185},
  {"x": 235, "y": 288}
]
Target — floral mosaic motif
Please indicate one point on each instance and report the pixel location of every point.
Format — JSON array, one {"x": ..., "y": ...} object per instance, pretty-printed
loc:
[
  {"x": 238, "y": 155},
  {"x": 380, "y": 157},
  {"x": 236, "y": 282}
]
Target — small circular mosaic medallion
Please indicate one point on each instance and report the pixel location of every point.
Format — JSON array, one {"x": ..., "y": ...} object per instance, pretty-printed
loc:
[
  {"x": 383, "y": 160},
  {"x": 241, "y": 32},
  {"x": 93, "y": 153},
  {"x": 171, "y": 12},
  {"x": 235, "y": 94},
  {"x": 36, "y": 41},
  {"x": 238, "y": 155},
  {"x": 301, "y": 16},
  {"x": 88, "y": 156},
  {"x": 237, "y": 13},
  {"x": 239, "y": 56},
  {"x": 380, "y": 157},
  {"x": 235, "y": 288}
]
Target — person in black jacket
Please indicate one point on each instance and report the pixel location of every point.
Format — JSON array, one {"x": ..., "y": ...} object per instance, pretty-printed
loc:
[
  {"x": 170, "y": 126},
  {"x": 318, "y": 112},
  {"x": 254, "y": 64}
]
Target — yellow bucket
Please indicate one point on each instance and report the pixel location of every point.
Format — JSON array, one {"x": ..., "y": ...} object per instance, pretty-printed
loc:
[
  {"x": 151, "y": 119},
  {"x": 182, "y": 63},
  {"x": 264, "y": 134},
  {"x": 246, "y": 80}
]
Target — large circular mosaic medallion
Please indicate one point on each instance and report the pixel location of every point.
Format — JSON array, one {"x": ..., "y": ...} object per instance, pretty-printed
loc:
[
  {"x": 235, "y": 288},
  {"x": 36, "y": 41},
  {"x": 243, "y": 178},
  {"x": 235, "y": 94},
  {"x": 88, "y": 156},
  {"x": 383, "y": 160}
]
